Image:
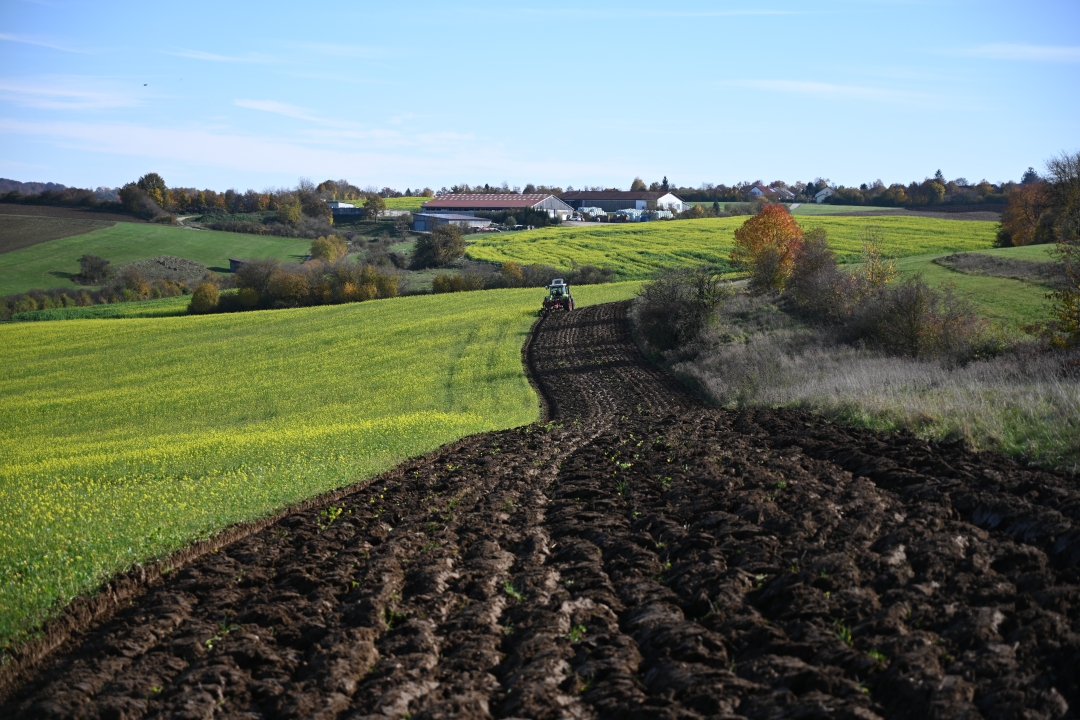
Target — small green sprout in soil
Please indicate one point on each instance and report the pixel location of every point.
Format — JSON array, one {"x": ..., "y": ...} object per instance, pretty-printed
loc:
[
  {"x": 509, "y": 589},
  {"x": 576, "y": 633}
]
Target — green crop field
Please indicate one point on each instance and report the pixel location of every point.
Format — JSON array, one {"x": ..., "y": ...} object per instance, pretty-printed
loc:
[
  {"x": 406, "y": 203},
  {"x": 637, "y": 250},
  {"x": 1007, "y": 302},
  {"x": 51, "y": 264},
  {"x": 121, "y": 440},
  {"x": 162, "y": 307}
]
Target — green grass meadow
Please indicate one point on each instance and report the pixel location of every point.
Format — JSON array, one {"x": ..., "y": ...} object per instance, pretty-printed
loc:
[
  {"x": 124, "y": 439},
  {"x": 1009, "y": 303},
  {"x": 637, "y": 250},
  {"x": 51, "y": 264}
]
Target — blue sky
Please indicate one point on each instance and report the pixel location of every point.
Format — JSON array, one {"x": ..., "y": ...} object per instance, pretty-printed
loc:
[{"x": 242, "y": 94}]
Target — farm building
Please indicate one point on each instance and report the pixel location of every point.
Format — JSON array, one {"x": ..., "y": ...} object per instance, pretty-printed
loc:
[
  {"x": 470, "y": 204},
  {"x": 426, "y": 222},
  {"x": 820, "y": 195},
  {"x": 344, "y": 208},
  {"x": 615, "y": 200}
]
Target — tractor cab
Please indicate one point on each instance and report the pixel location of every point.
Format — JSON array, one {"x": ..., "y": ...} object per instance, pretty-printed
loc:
[
  {"x": 559, "y": 297},
  {"x": 558, "y": 289}
]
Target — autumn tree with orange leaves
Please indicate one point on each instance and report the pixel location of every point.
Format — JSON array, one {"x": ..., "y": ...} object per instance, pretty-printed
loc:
[
  {"x": 766, "y": 246},
  {"x": 1024, "y": 220}
]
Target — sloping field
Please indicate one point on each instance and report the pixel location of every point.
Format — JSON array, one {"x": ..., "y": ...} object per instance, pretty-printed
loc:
[
  {"x": 21, "y": 231},
  {"x": 121, "y": 440},
  {"x": 641, "y": 556},
  {"x": 1011, "y": 303},
  {"x": 51, "y": 264},
  {"x": 637, "y": 250}
]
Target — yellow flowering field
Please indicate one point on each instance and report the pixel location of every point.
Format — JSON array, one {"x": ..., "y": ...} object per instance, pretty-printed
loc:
[
  {"x": 124, "y": 439},
  {"x": 637, "y": 250}
]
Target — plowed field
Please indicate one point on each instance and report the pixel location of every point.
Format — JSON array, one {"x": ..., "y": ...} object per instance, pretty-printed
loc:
[{"x": 640, "y": 556}]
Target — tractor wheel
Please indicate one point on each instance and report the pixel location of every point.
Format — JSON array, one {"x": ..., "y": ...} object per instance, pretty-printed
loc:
[{"x": 570, "y": 304}]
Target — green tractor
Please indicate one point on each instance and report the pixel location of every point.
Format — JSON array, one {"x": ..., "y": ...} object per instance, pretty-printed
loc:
[{"x": 559, "y": 297}]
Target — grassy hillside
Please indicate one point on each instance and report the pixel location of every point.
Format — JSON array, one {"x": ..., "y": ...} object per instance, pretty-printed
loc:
[
  {"x": 121, "y": 440},
  {"x": 1007, "y": 302},
  {"x": 51, "y": 264},
  {"x": 406, "y": 203},
  {"x": 636, "y": 250}
]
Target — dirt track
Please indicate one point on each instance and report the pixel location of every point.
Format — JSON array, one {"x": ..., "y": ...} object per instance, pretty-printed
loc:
[{"x": 641, "y": 556}]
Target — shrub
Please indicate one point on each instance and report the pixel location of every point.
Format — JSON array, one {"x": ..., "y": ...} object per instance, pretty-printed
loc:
[
  {"x": 457, "y": 283},
  {"x": 204, "y": 299},
  {"x": 915, "y": 320},
  {"x": 93, "y": 270},
  {"x": 1025, "y": 218},
  {"x": 289, "y": 212},
  {"x": 330, "y": 248},
  {"x": 677, "y": 305},
  {"x": 766, "y": 245},
  {"x": 439, "y": 248}
]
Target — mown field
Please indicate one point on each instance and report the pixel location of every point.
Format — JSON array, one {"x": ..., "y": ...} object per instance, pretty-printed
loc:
[
  {"x": 121, "y": 440},
  {"x": 637, "y": 250},
  {"x": 51, "y": 264}
]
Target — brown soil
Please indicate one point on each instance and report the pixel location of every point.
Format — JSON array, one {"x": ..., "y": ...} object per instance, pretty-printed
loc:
[
  {"x": 68, "y": 213},
  {"x": 1051, "y": 274},
  {"x": 642, "y": 556},
  {"x": 21, "y": 231}
]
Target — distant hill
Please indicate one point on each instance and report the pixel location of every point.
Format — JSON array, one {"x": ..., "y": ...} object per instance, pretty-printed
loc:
[{"x": 28, "y": 188}]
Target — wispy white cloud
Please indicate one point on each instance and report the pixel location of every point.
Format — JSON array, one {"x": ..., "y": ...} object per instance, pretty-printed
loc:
[
  {"x": 50, "y": 95},
  {"x": 214, "y": 57},
  {"x": 29, "y": 40},
  {"x": 439, "y": 156},
  {"x": 1020, "y": 51},
  {"x": 831, "y": 90},
  {"x": 280, "y": 108}
]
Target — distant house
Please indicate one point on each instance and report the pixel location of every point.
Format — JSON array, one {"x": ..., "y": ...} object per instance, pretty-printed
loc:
[
  {"x": 820, "y": 195},
  {"x": 615, "y": 200},
  {"x": 771, "y": 193},
  {"x": 426, "y": 222},
  {"x": 472, "y": 203}
]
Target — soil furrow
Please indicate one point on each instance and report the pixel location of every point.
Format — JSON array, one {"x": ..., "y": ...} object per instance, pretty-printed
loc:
[{"x": 637, "y": 555}]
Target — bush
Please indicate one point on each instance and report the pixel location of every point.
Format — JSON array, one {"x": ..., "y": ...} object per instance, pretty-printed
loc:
[
  {"x": 766, "y": 246},
  {"x": 93, "y": 270},
  {"x": 439, "y": 248},
  {"x": 204, "y": 299},
  {"x": 912, "y": 319},
  {"x": 457, "y": 283},
  {"x": 677, "y": 305},
  {"x": 819, "y": 290},
  {"x": 330, "y": 248}
]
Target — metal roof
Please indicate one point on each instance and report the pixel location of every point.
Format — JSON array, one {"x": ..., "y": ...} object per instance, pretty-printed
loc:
[
  {"x": 615, "y": 195},
  {"x": 494, "y": 201}
]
